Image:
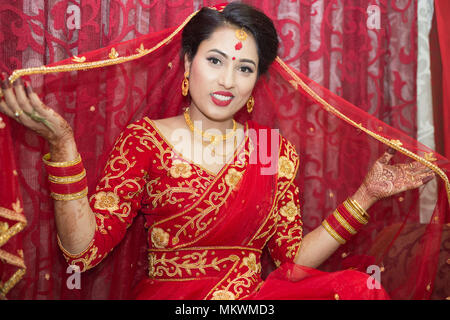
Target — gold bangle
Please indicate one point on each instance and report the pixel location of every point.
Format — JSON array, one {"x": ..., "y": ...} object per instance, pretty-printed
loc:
[
  {"x": 354, "y": 213},
  {"x": 344, "y": 222},
  {"x": 73, "y": 256},
  {"x": 358, "y": 207},
  {"x": 70, "y": 196},
  {"x": 68, "y": 179},
  {"x": 46, "y": 159},
  {"x": 333, "y": 233}
]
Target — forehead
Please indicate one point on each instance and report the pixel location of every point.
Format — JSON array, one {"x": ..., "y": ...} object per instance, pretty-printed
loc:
[{"x": 225, "y": 39}]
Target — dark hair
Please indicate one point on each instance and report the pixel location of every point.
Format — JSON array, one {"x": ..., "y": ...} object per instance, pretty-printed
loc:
[{"x": 207, "y": 20}]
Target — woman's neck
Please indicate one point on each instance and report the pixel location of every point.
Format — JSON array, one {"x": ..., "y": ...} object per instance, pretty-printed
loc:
[{"x": 206, "y": 123}]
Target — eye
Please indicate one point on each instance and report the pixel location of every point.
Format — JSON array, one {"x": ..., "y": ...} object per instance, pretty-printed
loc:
[
  {"x": 246, "y": 69},
  {"x": 214, "y": 60}
]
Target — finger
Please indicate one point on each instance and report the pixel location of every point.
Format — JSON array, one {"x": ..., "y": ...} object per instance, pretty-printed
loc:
[
  {"x": 421, "y": 180},
  {"x": 428, "y": 178},
  {"x": 5, "y": 110},
  {"x": 415, "y": 168},
  {"x": 21, "y": 96},
  {"x": 36, "y": 102},
  {"x": 387, "y": 156},
  {"x": 10, "y": 98}
]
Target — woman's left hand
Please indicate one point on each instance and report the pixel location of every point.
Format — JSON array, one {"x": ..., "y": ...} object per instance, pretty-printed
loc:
[{"x": 385, "y": 180}]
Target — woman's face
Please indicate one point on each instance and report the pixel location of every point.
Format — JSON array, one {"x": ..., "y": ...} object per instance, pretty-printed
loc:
[{"x": 223, "y": 73}]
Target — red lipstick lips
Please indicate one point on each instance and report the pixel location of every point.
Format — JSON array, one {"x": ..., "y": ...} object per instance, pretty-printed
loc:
[{"x": 221, "y": 98}]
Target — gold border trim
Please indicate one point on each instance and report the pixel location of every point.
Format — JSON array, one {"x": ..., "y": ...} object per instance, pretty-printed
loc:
[
  {"x": 393, "y": 144},
  {"x": 141, "y": 52},
  {"x": 12, "y": 215},
  {"x": 9, "y": 258}
]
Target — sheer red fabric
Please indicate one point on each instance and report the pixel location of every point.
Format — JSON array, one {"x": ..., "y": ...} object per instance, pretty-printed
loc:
[
  {"x": 442, "y": 20},
  {"x": 336, "y": 142}
]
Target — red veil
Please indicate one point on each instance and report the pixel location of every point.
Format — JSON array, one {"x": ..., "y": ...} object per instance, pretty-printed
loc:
[{"x": 102, "y": 91}]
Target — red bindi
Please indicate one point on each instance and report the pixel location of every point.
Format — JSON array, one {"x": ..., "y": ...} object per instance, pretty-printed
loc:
[
  {"x": 238, "y": 46},
  {"x": 234, "y": 58}
]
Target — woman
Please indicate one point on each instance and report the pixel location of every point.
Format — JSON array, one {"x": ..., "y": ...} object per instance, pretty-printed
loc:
[{"x": 195, "y": 178}]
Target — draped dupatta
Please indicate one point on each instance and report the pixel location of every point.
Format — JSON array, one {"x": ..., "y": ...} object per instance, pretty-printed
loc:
[{"x": 140, "y": 77}]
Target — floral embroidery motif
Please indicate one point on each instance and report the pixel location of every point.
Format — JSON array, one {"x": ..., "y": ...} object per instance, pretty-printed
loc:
[
  {"x": 233, "y": 177},
  {"x": 160, "y": 238},
  {"x": 251, "y": 263},
  {"x": 286, "y": 167},
  {"x": 108, "y": 201},
  {"x": 180, "y": 169},
  {"x": 290, "y": 211},
  {"x": 223, "y": 295}
]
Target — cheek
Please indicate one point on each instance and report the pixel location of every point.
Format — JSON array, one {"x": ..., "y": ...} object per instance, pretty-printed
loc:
[
  {"x": 246, "y": 85},
  {"x": 200, "y": 76}
]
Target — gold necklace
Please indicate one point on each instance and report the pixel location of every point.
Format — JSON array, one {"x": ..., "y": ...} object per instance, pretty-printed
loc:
[{"x": 211, "y": 137}]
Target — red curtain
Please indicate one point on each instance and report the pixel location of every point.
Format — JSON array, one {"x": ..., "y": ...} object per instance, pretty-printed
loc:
[
  {"x": 329, "y": 41},
  {"x": 440, "y": 47}
]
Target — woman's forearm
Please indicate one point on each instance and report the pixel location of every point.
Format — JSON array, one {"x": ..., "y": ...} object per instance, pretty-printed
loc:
[
  {"x": 75, "y": 221},
  {"x": 318, "y": 245}
]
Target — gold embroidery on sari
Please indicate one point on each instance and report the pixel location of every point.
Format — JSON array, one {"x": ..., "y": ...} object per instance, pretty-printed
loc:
[
  {"x": 160, "y": 238},
  {"x": 223, "y": 295},
  {"x": 180, "y": 169},
  {"x": 87, "y": 260},
  {"x": 108, "y": 201},
  {"x": 243, "y": 283},
  {"x": 209, "y": 203},
  {"x": 233, "y": 177},
  {"x": 290, "y": 211},
  {"x": 286, "y": 150},
  {"x": 181, "y": 264},
  {"x": 286, "y": 167}
]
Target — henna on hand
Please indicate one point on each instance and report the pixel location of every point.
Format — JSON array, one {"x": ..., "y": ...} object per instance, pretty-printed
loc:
[{"x": 384, "y": 179}]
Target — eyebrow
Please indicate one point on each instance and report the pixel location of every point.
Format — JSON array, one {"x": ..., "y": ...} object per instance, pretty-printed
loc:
[{"x": 226, "y": 56}]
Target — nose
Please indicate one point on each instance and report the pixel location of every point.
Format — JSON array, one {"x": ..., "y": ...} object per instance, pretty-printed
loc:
[{"x": 227, "y": 77}]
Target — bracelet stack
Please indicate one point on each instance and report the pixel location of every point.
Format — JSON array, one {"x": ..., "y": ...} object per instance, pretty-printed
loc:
[
  {"x": 346, "y": 221},
  {"x": 67, "y": 179}
]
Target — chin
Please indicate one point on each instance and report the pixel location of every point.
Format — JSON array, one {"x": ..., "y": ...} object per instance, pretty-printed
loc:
[{"x": 219, "y": 113}]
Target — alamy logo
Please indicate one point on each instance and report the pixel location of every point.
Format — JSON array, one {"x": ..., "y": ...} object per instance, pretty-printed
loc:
[
  {"x": 73, "y": 17},
  {"x": 74, "y": 280},
  {"x": 373, "y": 282},
  {"x": 373, "y": 17}
]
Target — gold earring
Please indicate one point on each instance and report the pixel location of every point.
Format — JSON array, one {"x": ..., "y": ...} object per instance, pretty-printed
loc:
[
  {"x": 250, "y": 104},
  {"x": 185, "y": 85}
]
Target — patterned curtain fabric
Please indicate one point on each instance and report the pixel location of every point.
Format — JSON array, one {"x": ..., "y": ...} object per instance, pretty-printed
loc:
[{"x": 368, "y": 45}]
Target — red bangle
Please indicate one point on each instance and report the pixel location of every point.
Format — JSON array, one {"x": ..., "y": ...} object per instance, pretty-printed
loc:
[
  {"x": 68, "y": 188},
  {"x": 63, "y": 169},
  {"x": 355, "y": 224},
  {"x": 344, "y": 222}
]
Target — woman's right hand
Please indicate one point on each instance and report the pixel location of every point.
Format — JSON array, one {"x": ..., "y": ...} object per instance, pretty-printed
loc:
[{"x": 21, "y": 103}]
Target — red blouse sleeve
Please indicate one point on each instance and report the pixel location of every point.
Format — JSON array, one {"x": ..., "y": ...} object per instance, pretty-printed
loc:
[
  {"x": 287, "y": 235},
  {"x": 117, "y": 197}
]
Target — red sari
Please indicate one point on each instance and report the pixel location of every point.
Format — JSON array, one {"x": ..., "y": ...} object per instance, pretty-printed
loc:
[{"x": 207, "y": 232}]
